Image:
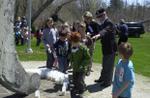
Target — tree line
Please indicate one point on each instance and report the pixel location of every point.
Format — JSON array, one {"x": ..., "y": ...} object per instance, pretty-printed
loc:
[{"x": 71, "y": 10}]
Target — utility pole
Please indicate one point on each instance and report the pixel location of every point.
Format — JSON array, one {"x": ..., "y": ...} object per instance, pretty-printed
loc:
[{"x": 29, "y": 11}]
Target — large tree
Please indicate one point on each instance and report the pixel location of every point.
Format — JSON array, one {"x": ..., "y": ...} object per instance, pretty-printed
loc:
[{"x": 12, "y": 74}]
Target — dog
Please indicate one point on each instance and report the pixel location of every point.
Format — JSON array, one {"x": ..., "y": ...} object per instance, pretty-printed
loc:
[{"x": 53, "y": 75}]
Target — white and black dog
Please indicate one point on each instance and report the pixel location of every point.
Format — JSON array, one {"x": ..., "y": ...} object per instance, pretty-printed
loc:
[{"x": 53, "y": 75}]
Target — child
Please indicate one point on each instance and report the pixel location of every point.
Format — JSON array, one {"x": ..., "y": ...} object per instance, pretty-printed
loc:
[
  {"x": 38, "y": 36},
  {"x": 75, "y": 26},
  {"x": 124, "y": 75},
  {"x": 79, "y": 59},
  {"x": 62, "y": 48},
  {"x": 17, "y": 29},
  {"x": 24, "y": 35},
  {"x": 49, "y": 39},
  {"x": 86, "y": 40}
]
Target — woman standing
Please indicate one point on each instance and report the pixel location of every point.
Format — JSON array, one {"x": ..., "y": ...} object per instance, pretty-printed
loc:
[{"x": 49, "y": 38}]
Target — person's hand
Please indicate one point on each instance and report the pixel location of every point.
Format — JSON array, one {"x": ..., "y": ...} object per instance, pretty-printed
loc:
[
  {"x": 87, "y": 73},
  {"x": 55, "y": 64},
  {"x": 47, "y": 45},
  {"x": 49, "y": 50},
  {"x": 95, "y": 37},
  {"x": 114, "y": 96},
  {"x": 88, "y": 34}
]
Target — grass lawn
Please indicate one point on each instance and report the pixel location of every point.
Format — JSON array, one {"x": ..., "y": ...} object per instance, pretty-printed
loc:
[{"x": 141, "y": 57}]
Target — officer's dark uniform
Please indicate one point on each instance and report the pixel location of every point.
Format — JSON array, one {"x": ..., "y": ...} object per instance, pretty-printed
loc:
[{"x": 108, "y": 49}]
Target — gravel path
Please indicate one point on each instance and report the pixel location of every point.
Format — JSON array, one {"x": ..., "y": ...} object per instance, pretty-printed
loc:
[{"x": 141, "y": 88}]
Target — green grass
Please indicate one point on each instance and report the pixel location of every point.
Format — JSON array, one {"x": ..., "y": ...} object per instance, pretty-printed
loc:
[
  {"x": 141, "y": 57},
  {"x": 37, "y": 55}
]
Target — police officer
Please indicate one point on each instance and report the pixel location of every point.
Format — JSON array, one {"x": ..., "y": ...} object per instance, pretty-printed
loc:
[{"x": 107, "y": 36}]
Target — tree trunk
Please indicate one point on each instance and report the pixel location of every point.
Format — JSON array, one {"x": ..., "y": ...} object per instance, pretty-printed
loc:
[{"x": 12, "y": 74}]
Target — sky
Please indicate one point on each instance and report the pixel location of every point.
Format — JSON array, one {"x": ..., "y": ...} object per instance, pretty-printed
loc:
[
  {"x": 133, "y": 1},
  {"x": 137, "y": 1}
]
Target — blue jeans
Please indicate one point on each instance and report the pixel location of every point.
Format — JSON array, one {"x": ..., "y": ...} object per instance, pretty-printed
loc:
[
  {"x": 62, "y": 63},
  {"x": 50, "y": 60}
]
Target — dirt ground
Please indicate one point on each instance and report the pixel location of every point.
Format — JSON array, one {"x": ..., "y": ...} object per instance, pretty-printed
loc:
[
  {"x": 140, "y": 90},
  {"x": 48, "y": 89}
]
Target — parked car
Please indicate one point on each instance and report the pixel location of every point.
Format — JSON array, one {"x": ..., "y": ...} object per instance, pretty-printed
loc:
[{"x": 135, "y": 28}]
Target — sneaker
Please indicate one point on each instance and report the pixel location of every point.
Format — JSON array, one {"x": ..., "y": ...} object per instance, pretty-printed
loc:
[
  {"x": 60, "y": 93},
  {"x": 87, "y": 73},
  {"x": 75, "y": 91},
  {"x": 85, "y": 94},
  {"x": 99, "y": 81},
  {"x": 91, "y": 70},
  {"x": 105, "y": 85}
]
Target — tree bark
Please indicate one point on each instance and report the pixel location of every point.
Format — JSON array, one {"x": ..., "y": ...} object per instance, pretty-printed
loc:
[
  {"x": 45, "y": 5},
  {"x": 41, "y": 9},
  {"x": 59, "y": 8},
  {"x": 20, "y": 8},
  {"x": 12, "y": 74}
]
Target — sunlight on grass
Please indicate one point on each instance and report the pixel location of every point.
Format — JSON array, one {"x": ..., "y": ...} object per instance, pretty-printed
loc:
[{"x": 140, "y": 58}]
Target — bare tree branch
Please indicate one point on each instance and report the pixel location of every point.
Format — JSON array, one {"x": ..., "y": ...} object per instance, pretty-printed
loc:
[
  {"x": 45, "y": 5},
  {"x": 41, "y": 9},
  {"x": 59, "y": 8},
  {"x": 61, "y": 20}
]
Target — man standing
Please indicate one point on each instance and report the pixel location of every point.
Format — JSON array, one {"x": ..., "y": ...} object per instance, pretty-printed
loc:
[
  {"x": 91, "y": 26},
  {"x": 92, "y": 29},
  {"x": 123, "y": 32},
  {"x": 107, "y": 36}
]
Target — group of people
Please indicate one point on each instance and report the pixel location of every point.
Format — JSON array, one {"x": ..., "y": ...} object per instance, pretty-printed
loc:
[
  {"x": 21, "y": 30},
  {"x": 73, "y": 46}
]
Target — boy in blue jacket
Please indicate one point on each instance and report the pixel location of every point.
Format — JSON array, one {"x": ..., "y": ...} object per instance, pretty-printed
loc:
[{"x": 124, "y": 74}]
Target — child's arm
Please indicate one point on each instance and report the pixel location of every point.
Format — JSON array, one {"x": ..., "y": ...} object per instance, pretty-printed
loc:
[
  {"x": 53, "y": 48},
  {"x": 86, "y": 58},
  {"x": 128, "y": 80},
  {"x": 119, "y": 91}
]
